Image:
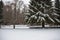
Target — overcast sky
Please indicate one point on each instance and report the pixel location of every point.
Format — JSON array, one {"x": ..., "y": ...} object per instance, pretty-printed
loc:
[{"x": 25, "y": 1}]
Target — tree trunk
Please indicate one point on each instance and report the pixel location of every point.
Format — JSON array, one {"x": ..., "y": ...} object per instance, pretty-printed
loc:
[
  {"x": 43, "y": 24},
  {"x": 14, "y": 17},
  {"x": 13, "y": 26}
]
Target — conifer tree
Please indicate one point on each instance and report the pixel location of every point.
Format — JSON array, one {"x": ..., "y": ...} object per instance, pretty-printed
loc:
[
  {"x": 41, "y": 12},
  {"x": 57, "y": 5}
]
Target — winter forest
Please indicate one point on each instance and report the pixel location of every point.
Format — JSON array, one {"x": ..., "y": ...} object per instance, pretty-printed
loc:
[{"x": 35, "y": 13}]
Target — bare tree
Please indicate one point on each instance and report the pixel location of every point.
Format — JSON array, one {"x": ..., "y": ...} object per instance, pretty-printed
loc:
[{"x": 15, "y": 13}]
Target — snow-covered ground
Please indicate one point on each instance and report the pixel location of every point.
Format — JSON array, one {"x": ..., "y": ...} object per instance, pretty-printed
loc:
[
  {"x": 25, "y": 26},
  {"x": 11, "y": 26},
  {"x": 29, "y": 34}
]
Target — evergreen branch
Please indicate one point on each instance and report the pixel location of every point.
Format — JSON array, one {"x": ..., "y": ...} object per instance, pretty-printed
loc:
[
  {"x": 42, "y": 18},
  {"x": 50, "y": 18},
  {"x": 56, "y": 14},
  {"x": 57, "y": 20},
  {"x": 40, "y": 13},
  {"x": 46, "y": 5},
  {"x": 42, "y": 5},
  {"x": 54, "y": 8},
  {"x": 34, "y": 7},
  {"x": 31, "y": 10}
]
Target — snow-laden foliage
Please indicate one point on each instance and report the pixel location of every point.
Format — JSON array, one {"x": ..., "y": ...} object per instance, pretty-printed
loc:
[
  {"x": 41, "y": 11},
  {"x": 57, "y": 20}
]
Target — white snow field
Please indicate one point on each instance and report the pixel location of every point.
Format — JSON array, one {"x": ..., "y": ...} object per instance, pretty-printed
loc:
[
  {"x": 29, "y": 34},
  {"x": 11, "y": 26},
  {"x": 24, "y": 26}
]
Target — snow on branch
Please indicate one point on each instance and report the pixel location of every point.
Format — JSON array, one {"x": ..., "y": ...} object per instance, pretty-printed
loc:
[
  {"x": 56, "y": 11},
  {"x": 42, "y": 18},
  {"x": 55, "y": 14},
  {"x": 27, "y": 13},
  {"x": 57, "y": 20},
  {"x": 50, "y": 18},
  {"x": 31, "y": 10},
  {"x": 26, "y": 17},
  {"x": 33, "y": 16},
  {"x": 34, "y": 7},
  {"x": 40, "y": 5},
  {"x": 54, "y": 8},
  {"x": 46, "y": 5},
  {"x": 40, "y": 13}
]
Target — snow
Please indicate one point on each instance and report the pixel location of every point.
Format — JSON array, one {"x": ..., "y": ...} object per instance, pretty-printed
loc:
[
  {"x": 33, "y": 16},
  {"x": 26, "y": 17},
  {"x": 29, "y": 34},
  {"x": 57, "y": 20},
  {"x": 39, "y": 17},
  {"x": 46, "y": 5},
  {"x": 27, "y": 14},
  {"x": 49, "y": 12},
  {"x": 50, "y": 18},
  {"x": 55, "y": 14},
  {"x": 31, "y": 10},
  {"x": 11, "y": 26},
  {"x": 6, "y": 26},
  {"x": 42, "y": 18},
  {"x": 34, "y": 7},
  {"x": 21, "y": 26}
]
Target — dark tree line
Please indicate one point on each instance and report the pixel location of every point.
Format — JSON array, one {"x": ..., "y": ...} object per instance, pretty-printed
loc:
[{"x": 1, "y": 11}]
